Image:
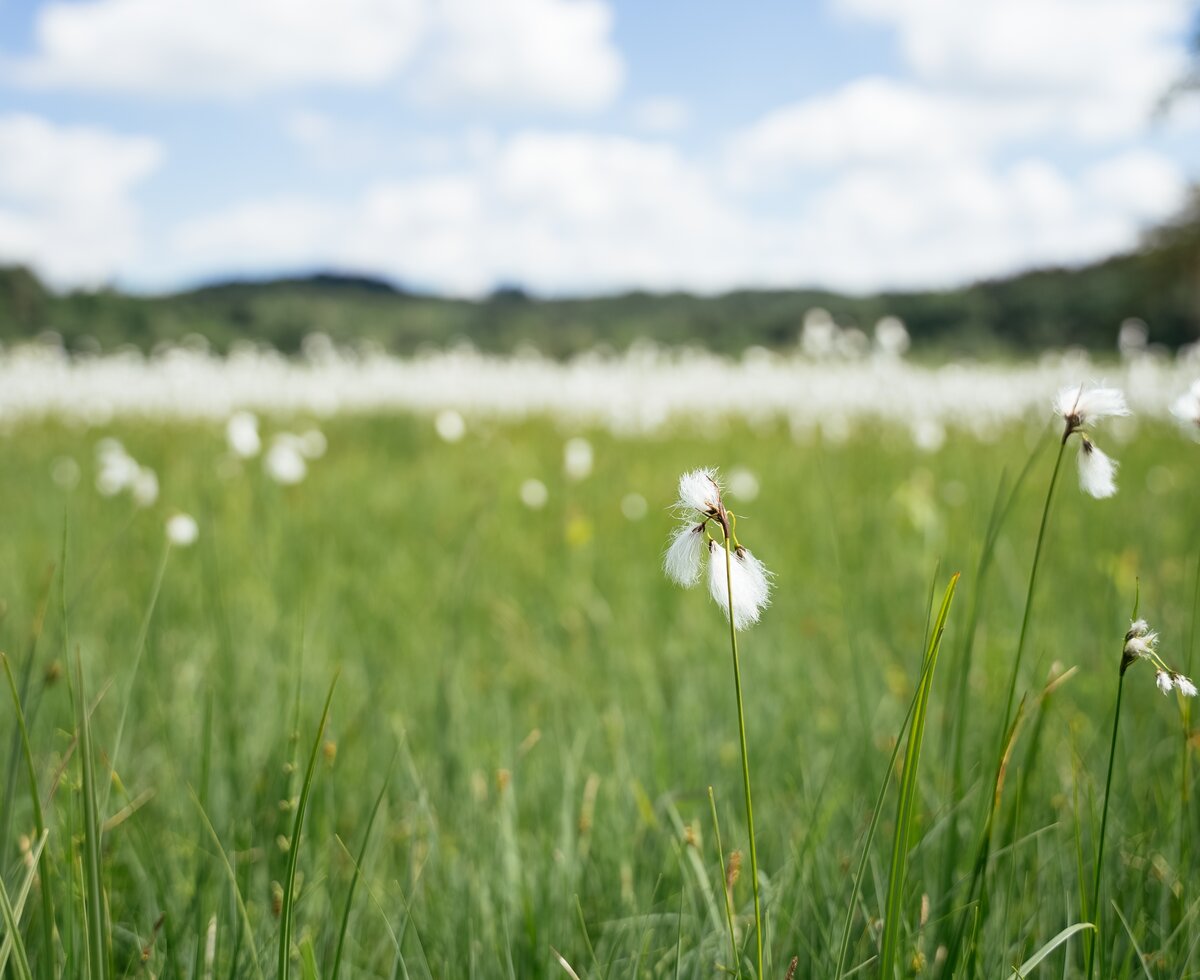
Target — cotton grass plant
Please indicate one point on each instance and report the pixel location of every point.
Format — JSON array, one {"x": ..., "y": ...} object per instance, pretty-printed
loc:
[{"x": 741, "y": 585}]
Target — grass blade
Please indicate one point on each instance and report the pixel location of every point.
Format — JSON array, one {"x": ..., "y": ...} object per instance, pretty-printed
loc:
[
  {"x": 362, "y": 853},
  {"x": 289, "y": 885},
  {"x": 1026, "y": 968},
  {"x": 12, "y": 912},
  {"x": 908, "y": 793}
]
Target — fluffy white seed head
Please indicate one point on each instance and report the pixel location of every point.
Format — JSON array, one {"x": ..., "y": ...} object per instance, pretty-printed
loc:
[
  {"x": 284, "y": 461},
  {"x": 1164, "y": 681},
  {"x": 1097, "y": 472},
  {"x": 1185, "y": 685},
  {"x": 1138, "y": 647},
  {"x": 577, "y": 458},
  {"x": 145, "y": 487},
  {"x": 699, "y": 491},
  {"x": 182, "y": 530},
  {"x": 1080, "y": 405},
  {"x": 1139, "y": 627},
  {"x": 751, "y": 585},
  {"x": 241, "y": 432},
  {"x": 1187, "y": 406},
  {"x": 449, "y": 425},
  {"x": 685, "y": 554}
]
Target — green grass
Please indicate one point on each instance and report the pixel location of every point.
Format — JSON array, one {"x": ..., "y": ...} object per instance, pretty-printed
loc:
[{"x": 545, "y": 713}]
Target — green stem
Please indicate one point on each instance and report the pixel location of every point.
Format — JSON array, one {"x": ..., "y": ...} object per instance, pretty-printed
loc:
[
  {"x": 1112, "y": 754},
  {"x": 723, "y": 874},
  {"x": 1033, "y": 573},
  {"x": 737, "y": 685}
]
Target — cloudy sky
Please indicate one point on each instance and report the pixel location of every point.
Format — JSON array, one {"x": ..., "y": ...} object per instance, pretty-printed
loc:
[{"x": 579, "y": 146}]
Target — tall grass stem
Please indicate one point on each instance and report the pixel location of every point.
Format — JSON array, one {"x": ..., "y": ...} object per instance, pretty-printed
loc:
[{"x": 737, "y": 685}]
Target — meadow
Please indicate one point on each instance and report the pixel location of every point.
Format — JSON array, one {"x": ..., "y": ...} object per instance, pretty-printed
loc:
[{"x": 525, "y": 717}]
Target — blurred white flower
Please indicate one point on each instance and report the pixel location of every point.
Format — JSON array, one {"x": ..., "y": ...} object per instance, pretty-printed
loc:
[
  {"x": 928, "y": 435},
  {"x": 743, "y": 484},
  {"x": 891, "y": 337},
  {"x": 1163, "y": 679},
  {"x": 182, "y": 530},
  {"x": 634, "y": 506},
  {"x": 534, "y": 494},
  {"x": 241, "y": 432},
  {"x": 1132, "y": 337},
  {"x": 145, "y": 487},
  {"x": 1185, "y": 685},
  {"x": 699, "y": 491},
  {"x": 577, "y": 458},
  {"x": 685, "y": 554},
  {"x": 750, "y": 582},
  {"x": 1187, "y": 406},
  {"x": 118, "y": 469},
  {"x": 449, "y": 425},
  {"x": 284, "y": 462},
  {"x": 1097, "y": 472},
  {"x": 313, "y": 444}
]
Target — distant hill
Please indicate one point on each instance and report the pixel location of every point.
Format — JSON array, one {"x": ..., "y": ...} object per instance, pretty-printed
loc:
[{"x": 1085, "y": 306}]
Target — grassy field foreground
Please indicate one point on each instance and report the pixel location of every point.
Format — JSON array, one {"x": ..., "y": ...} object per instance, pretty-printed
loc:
[{"x": 537, "y": 714}]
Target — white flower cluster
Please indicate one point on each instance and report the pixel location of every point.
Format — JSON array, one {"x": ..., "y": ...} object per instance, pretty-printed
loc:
[
  {"x": 1187, "y": 407},
  {"x": 286, "y": 461},
  {"x": 1141, "y": 643},
  {"x": 118, "y": 472},
  {"x": 735, "y": 573},
  {"x": 1081, "y": 407}
]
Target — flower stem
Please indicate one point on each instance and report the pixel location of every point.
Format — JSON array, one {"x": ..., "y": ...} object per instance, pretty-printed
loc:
[
  {"x": 1033, "y": 573},
  {"x": 1112, "y": 753},
  {"x": 737, "y": 686}
]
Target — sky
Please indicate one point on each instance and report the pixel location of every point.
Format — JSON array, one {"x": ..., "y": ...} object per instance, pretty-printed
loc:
[{"x": 575, "y": 147}]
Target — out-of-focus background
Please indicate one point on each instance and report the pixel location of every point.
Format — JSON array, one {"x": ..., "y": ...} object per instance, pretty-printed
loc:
[{"x": 563, "y": 173}]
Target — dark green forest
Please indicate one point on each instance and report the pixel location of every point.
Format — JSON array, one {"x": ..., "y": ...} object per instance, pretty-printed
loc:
[{"x": 1159, "y": 283}]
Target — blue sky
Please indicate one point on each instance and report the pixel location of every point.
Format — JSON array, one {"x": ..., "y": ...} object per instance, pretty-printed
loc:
[{"x": 579, "y": 146}]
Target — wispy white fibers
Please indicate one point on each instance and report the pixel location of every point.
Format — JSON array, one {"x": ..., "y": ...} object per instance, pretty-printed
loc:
[
  {"x": 1082, "y": 406},
  {"x": 1097, "y": 472},
  {"x": 750, "y": 582},
  {"x": 699, "y": 491},
  {"x": 1079, "y": 408},
  {"x": 685, "y": 554},
  {"x": 1141, "y": 643}
]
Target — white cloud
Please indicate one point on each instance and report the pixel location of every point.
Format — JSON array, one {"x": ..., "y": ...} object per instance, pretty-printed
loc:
[
  {"x": 582, "y": 213},
  {"x": 879, "y": 120},
  {"x": 65, "y": 197},
  {"x": 550, "y": 53},
  {"x": 554, "y": 53},
  {"x": 1108, "y": 60},
  {"x": 220, "y": 47},
  {"x": 661, "y": 114}
]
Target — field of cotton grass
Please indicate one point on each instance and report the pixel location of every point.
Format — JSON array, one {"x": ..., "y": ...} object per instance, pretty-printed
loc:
[{"x": 357, "y": 667}]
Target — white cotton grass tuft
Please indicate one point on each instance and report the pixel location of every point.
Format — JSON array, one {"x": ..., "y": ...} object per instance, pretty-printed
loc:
[
  {"x": 751, "y": 584},
  {"x": 577, "y": 458},
  {"x": 684, "y": 556},
  {"x": 1141, "y": 643},
  {"x": 699, "y": 491},
  {"x": 1081, "y": 406},
  {"x": 182, "y": 530},
  {"x": 1097, "y": 472},
  {"x": 534, "y": 494},
  {"x": 312, "y": 443},
  {"x": 241, "y": 433}
]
